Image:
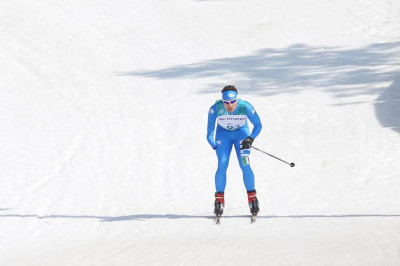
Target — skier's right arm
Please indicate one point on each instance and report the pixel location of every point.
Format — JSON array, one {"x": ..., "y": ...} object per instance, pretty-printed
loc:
[{"x": 212, "y": 116}]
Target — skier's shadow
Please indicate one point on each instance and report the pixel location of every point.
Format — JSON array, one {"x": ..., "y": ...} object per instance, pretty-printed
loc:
[{"x": 146, "y": 217}]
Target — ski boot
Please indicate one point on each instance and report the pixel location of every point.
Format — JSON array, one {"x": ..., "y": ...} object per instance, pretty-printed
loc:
[
  {"x": 219, "y": 205},
  {"x": 253, "y": 204}
]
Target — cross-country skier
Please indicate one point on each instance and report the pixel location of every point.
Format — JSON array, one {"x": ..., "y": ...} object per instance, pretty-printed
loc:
[{"x": 231, "y": 115}]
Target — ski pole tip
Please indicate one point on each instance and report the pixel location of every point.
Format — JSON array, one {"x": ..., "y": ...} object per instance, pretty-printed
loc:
[{"x": 292, "y": 165}]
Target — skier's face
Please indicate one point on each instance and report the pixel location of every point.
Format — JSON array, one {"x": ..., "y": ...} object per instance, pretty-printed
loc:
[{"x": 230, "y": 107}]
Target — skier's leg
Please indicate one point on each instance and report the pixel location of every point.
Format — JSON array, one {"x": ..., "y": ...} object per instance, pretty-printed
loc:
[
  {"x": 224, "y": 148},
  {"x": 248, "y": 175},
  {"x": 244, "y": 162}
]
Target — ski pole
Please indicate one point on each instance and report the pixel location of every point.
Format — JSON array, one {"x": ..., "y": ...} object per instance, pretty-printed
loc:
[{"x": 291, "y": 164}]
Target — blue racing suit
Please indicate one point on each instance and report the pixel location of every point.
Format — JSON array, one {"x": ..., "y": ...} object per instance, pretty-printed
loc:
[{"x": 232, "y": 128}]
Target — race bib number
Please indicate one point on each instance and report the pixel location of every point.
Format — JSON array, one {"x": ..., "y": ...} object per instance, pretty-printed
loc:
[{"x": 232, "y": 122}]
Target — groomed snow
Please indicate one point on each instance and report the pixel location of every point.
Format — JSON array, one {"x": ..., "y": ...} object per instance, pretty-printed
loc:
[{"x": 103, "y": 112}]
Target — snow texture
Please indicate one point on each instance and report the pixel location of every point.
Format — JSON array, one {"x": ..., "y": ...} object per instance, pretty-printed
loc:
[{"x": 103, "y": 110}]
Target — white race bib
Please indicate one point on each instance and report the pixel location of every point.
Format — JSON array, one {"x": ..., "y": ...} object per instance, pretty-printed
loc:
[{"x": 232, "y": 122}]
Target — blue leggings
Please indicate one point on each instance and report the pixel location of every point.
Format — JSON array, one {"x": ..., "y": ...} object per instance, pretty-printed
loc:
[{"x": 225, "y": 139}]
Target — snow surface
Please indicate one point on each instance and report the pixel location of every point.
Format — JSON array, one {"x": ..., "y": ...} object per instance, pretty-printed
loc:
[{"x": 103, "y": 110}]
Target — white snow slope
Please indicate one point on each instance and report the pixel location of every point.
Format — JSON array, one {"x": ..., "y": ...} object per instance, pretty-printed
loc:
[{"x": 103, "y": 111}]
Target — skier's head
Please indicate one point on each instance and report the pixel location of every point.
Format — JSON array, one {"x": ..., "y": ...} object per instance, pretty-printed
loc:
[
  {"x": 229, "y": 98},
  {"x": 229, "y": 92}
]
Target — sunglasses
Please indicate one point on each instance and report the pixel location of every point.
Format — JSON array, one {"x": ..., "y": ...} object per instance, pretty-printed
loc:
[{"x": 229, "y": 102}]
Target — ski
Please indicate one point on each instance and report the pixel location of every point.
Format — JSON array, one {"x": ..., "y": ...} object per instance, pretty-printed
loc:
[{"x": 253, "y": 218}]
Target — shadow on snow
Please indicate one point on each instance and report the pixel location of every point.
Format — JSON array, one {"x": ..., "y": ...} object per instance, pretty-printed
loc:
[
  {"x": 387, "y": 106},
  {"x": 144, "y": 217},
  {"x": 340, "y": 72}
]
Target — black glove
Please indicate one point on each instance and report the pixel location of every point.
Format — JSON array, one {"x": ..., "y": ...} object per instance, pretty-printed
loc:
[{"x": 246, "y": 143}]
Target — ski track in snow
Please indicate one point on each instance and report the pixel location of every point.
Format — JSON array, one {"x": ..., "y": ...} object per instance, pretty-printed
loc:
[{"x": 104, "y": 109}]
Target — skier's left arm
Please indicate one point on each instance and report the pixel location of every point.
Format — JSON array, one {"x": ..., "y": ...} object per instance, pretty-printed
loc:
[{"x": 255, "y": 120}]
